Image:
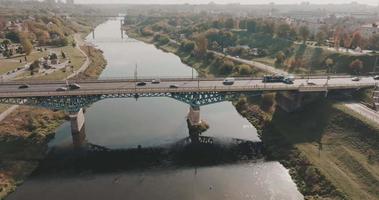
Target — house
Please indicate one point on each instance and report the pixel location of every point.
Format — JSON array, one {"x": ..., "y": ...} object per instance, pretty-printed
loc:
[{"x": 368, "y": 30}]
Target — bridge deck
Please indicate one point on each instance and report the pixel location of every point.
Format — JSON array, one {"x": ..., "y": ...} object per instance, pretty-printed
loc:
[{"x": 185, "y": 85}]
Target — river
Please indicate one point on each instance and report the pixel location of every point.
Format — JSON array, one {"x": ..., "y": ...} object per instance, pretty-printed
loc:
[{"x": 156, "y": 122}]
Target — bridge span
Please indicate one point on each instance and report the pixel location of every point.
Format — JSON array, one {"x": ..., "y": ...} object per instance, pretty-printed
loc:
[{"x": 193, "y": 91}]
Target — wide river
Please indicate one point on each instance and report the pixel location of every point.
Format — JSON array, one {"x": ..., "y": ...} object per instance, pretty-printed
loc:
[{"x": 156, "y": 122}]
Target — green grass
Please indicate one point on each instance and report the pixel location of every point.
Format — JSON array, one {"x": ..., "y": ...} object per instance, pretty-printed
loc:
[
  {"x": 14, "y": 62},
  {"x": 337, "y": 144},
  {"x": 73, "y": 54},
  {"x": 3, "y": 107}
]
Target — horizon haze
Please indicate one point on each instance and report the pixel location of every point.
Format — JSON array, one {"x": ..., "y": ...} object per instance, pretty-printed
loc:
[{"x": 368, "y": 2}]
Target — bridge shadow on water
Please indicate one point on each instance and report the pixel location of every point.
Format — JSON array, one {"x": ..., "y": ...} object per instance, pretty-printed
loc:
[{"x": 204, "y": 151}]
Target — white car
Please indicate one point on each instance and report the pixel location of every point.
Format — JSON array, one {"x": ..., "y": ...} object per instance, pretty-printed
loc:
[
  {"x": 356, "y": 78},
  {"x": 156, "y": 81},
  {"x": 61, "y": 89},
  {"x": 229, "y": 81}
]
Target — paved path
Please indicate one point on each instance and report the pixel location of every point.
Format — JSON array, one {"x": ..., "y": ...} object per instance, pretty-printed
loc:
[
  {"x": 363, "y": 110},
  {"x": 7, "y": 112},
  {"x": 79, "y": 42},
  {"x": 258, "y": 65}
]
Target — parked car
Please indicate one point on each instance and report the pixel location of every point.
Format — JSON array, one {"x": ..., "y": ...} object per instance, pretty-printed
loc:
[
  {"x": 356, "y": 78},
  {"x": 23, "y": 86},
  {"x": 156, "y": 81},
  {"x": 174, "y": 86},
  {"x": 376, "y": 77},
  {"x": 229, "y": 81},
  {"x": 141, "y": 84},
  {"x": 61, "y": 89},
  {"x": 74, "y": 86}
]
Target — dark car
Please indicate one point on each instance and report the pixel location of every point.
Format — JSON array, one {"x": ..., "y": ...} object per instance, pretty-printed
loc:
[
  {"x": 74, "y": 86},
  {"x": 174, "y": 86},
  {"x": 141, "y": 84},
  {"x": 156, "y": 81},
  {"x": 23, "y": 86}
]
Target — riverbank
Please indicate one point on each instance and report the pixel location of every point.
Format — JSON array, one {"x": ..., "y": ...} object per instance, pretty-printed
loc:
[
  {"x": 321, "y": 151},
  {"x": 26, "y": 132}
]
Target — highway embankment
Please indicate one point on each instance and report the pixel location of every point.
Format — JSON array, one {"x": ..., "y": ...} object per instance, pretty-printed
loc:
[{"x": 329, "y": 152}]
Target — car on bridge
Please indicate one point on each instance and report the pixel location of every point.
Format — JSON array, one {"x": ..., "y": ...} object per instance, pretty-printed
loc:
[
  {"x": 74, "y": 86},
  {"x": 279, "y": 79},
  {"x": 174, "y": 86},
  {"x": 61, "y": 89},
  {"x": 356, "y": 78},
  {"x": 141, "y": 84},
  {"x": 155, "y": 81},
  {"x": 376, "y": 77},
  {"x": 229, "y": 81},
  {"x": 23, "y": 86}
]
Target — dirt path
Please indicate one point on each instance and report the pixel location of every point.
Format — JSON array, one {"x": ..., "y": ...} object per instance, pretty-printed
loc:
[
  {"x": 364, "y": 111},
  {"x": 79, "y": 42}
]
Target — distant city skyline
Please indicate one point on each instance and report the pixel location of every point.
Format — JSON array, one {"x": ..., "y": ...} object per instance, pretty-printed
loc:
[{"x": 369, "y": 2}]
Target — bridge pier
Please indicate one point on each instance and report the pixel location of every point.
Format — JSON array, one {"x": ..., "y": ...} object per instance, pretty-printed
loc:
[
  {"x": 122, "y": 28},
  {"x": 78, "y": 128},
  {"x": 196, "y": 126}
]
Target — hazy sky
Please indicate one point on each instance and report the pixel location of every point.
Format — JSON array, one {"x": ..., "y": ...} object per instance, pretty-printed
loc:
[{"x": 371, "y": 2}]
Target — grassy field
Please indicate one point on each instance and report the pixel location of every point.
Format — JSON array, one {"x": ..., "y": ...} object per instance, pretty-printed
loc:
[
  {"x": 9, "y": 64},
  {"x": 73, "y": 54},
  {"x": 344, "y": 148}
]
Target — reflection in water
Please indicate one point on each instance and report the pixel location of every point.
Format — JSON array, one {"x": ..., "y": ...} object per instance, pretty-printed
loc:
[{"x": 160, "y": 169}]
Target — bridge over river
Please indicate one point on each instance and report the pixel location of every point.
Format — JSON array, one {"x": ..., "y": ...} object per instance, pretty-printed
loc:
[{"x": 193, "y": 91}]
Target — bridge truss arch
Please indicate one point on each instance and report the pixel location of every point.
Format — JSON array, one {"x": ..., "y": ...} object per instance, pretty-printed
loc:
[{"x": 75, "y": 103}]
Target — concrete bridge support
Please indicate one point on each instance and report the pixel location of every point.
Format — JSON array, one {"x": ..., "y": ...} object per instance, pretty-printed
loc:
[
  {"x": 293, "y": 101},
  {"x": 194, "y": 115},
  {"x": 78, "y": 128},
  {"x": 196, "y": 126}
]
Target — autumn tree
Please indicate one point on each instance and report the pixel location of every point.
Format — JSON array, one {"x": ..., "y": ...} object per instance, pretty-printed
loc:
[
  {"x": 373, "y": 43},
  {"x": 356, "y": 66},
  {"x": 229, "y": 23},
  {"x": 320, "y": 37},
  {"x": 25, "y": 43},
  {"x": 346, "y": 39},
  {"x": 2, "y": 23},
  {"x": 356, "y": 40},
  {"x": 251, "y": 26},
  {"x": 201, "y": 44},
  {"x": 283, "y": 30},
  {"x": 329, "y": 64},
  {"x": 244, "y": 69},
  {"x": 280, "y": 58},
  {"x": 6, "y": 43},
  {"x": 34, "y": 67},
  {"x": 304, "y": 33}
]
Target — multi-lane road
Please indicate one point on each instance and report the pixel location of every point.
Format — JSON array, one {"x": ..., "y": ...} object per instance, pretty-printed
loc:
[{"x": 116, "y": 86}]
